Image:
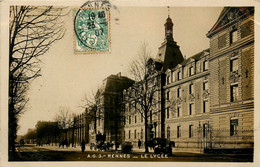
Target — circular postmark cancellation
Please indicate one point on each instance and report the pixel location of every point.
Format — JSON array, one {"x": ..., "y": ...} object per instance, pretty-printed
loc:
[{"x": 92, "y": 30}]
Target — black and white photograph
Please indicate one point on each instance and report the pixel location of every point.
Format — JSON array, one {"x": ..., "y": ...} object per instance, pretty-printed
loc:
[{"x": 113, "y": 81}]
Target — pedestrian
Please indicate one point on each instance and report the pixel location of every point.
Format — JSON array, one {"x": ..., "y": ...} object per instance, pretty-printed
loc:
[
  {"x": 117, "y": 145},
  {"x": 139, "y": 143},
  {"x": 83, "y": 146}
]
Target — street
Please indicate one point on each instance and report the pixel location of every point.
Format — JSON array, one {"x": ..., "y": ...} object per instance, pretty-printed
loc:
[{"x": 54, "y": 153}]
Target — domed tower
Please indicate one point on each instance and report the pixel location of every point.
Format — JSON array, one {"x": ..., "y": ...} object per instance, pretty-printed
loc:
[
  {"x": 168, "y": 29},
  {"x": 169, "y": 52}
]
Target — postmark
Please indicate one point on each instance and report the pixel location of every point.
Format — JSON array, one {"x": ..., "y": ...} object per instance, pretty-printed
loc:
[{"x": 92, "y": 30}]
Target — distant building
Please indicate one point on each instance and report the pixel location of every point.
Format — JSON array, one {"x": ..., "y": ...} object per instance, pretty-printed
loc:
[{"x": 110, "y": 106}]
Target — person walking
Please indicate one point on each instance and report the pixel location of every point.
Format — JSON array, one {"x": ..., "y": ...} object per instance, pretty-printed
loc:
[
  {"x": 139, "y": 143},
  {"x": 83, "y": 146}
]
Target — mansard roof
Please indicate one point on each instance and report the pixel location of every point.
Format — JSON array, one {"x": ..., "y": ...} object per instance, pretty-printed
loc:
[
  {"x": 195, "y": 57},
  {"x": 115, "y": 83},
  {"x": 229, "y": 16}
]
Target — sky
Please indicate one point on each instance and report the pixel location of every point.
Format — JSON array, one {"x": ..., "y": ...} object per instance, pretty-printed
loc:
[{"x": 68, "y": 77}]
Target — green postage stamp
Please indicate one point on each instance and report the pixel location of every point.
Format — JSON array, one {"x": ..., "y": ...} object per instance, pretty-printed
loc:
[{"x": 92, "y": 30}]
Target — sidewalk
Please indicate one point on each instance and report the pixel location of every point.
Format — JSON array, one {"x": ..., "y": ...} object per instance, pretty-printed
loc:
[{"x": 78, "y": 148}]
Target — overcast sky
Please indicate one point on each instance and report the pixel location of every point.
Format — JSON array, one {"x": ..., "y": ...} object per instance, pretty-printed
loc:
[{"x": 67, "y": 77}]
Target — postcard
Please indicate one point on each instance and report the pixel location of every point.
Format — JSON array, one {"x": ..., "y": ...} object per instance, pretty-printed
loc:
[{"x": 105, "y": 82}]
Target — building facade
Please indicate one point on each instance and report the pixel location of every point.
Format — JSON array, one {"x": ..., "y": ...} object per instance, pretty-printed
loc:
[
  {"x": 201, "y": 103},
  {"x": 207, "y": 100},
  {"x": 231, "y": 65},
  {"x": 110, "y": 107},
  {"x": 187, "y": 102}
]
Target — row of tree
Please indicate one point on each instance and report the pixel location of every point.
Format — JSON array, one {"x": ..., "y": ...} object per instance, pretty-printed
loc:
[
  {"x": 32, "y": 31},
  {"x": 47, "y": 132}
]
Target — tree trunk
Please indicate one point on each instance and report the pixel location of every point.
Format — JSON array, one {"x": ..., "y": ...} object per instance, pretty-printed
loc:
[
  {"x": 146, "y": 130},
  {"x": 95, "y": 122},
  {"x": 12, "y": 128}
]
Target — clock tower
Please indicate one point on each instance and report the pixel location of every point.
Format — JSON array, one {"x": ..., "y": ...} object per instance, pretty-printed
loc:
[
  {"x": 168, "y": 29},
  {"x": 169, "y": 52}
]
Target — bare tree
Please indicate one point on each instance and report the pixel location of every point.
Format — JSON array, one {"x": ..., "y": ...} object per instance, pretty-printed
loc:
[
  {"x": 32, "y": 31},
  {"x": 113, "y": 105},
  {"x": 89, "y": 104},
  {"x": 144, "y": 94},
  {"x": 65, "y": 119}
]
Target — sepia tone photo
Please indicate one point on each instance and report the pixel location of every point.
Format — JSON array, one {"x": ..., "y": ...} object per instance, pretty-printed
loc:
[{"x": 100, "y": 81}]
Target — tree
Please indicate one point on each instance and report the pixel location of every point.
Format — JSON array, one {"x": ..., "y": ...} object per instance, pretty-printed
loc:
[
  {"x": 33, "y": 29},
  {"x": 89, "y": 104},
  {"x": 46, "y": 132},
  {"x": 30, "y": 135},
  {"x": 111, "y": 107},
  {"x": 65, "y": 119},
  {"x": 144, "y": 94}
]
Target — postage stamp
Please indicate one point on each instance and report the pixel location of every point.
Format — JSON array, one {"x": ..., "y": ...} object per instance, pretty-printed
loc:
[{"x": 92, "y": 30}]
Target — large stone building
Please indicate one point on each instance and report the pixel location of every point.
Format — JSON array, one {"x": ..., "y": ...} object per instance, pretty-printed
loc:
[
  {"x": 110, "y": 106},
  {"x": 147, "y": 96},
  {"x": 201, "y": 103},
  {"x": 187, "y": 102},
  {"x": 206, "y": 100},
  {"x": 231, "y": 63}
]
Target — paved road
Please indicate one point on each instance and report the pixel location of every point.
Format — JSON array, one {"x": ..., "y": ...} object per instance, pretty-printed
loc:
[{"x": 53, "y": 153}]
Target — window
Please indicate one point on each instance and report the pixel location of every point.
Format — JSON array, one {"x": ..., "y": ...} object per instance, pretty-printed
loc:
[
  {"x": 190, "y": 131},
  {"x": 205, "y": 86},
  {"x": 135, "y": 119},
  {"x": 172, "y": 77},
  {"x": 142, "y": 131},
  {"x": 178, "y": 111},
  {"x": 129, "y": 119},
  {"x": 168, "y": 112},
  {"x": 129, "y": 134},
  {"x": 168, "y": 79},
  {"x": 124, "y": 121},
  {"x": 179, "y": 92},
  {"x": 168, "y": 95},
  {"x": 191, "y": 87},
  {"x": 246, "y": 29},
  {"x": 205, "y": 65},
  {"x": 234, "y": 93},
  {"x": 135, "y": 134},
  {"x": 222, "y": 41},
  {"x": 130, "y": 107},
  {"x": 191, "y": 108},
  {"x": 233, "y": 127},
  {"x": 168, "y": 133},
  {"x": 191, "y": 70},
  {"x": 142, "y": 119},
  {"x": 178, "y": 131},
  {"x": 205, "y": 106},
  {"x": 179, "y": 75},
  {"x": 234, "y": 65},
  {"x": 204, "y": 130},
  {"x": 233, "y": 36}
]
